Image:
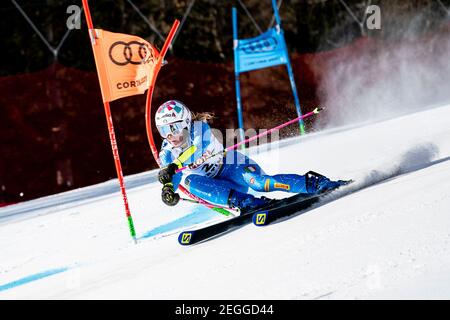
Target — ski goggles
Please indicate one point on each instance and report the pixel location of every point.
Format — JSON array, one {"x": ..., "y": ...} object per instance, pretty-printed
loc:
[{"x": 174, "y": 129}]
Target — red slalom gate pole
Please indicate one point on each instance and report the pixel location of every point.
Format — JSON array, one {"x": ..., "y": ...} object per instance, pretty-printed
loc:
[
  {"x": 112, "y": 135},
  {"x": 148, "y": 106}
]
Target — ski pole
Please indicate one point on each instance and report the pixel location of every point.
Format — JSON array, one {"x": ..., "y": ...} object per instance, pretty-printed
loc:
[{"x": 201, "y": 160}]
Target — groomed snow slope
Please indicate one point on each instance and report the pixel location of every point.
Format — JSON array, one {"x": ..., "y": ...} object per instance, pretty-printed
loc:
[{"x": 390, "y": 238}]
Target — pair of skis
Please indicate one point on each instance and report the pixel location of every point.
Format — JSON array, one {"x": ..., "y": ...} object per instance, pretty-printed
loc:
[{"x": 261, "y": 217}]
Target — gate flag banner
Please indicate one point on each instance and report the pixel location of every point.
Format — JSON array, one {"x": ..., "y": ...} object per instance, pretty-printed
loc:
[
  {"x": 125, "y": 63},
  {"x": 265, "y": 50}
]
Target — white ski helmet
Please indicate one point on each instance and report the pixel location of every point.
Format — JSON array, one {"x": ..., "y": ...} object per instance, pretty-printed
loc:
[{"x": 172, "y": 117}]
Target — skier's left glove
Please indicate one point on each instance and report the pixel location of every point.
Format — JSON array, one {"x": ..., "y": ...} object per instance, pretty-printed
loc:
[
  {"x": 165, "y": 174},
  {"x": 168, "y": 195}
]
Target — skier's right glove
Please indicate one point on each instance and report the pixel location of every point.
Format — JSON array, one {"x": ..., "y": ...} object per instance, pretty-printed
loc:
[
  {"x": 168, "y": 195},
  {"x": 165, "y": 174}
]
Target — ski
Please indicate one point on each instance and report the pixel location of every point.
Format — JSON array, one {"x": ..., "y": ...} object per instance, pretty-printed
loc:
[
  {"x": 260, "y": 217},
  {"x": 266, "y": 216},
  {"x": 195, "y": 236}
]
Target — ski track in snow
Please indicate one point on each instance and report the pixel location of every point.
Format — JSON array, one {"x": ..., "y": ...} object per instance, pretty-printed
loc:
[{"x": 385, "y": 236}]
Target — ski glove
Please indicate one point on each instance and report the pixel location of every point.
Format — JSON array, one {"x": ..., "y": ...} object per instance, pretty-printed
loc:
[
  {"x": 165, "y": 174},
  {"x": 169, "y": 197}
]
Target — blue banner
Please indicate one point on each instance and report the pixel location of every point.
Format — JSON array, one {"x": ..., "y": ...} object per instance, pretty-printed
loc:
[{"x": 265, "y": 50}]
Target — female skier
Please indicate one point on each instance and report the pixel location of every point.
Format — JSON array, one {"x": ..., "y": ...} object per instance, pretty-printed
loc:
[{"x": 223, "y": 180}]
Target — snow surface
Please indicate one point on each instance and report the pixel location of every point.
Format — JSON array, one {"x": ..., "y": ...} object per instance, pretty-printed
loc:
[{"x": 388, "y": 238}]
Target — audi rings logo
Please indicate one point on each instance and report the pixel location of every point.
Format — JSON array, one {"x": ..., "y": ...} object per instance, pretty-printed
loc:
[
  {"x": 122, "y": 53},
  {"x": 260, "y": 46}
]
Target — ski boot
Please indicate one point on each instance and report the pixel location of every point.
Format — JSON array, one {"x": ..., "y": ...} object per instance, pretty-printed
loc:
[
  {"x": 246, "y": 202},
  {"x": 317, "y": 183}
]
